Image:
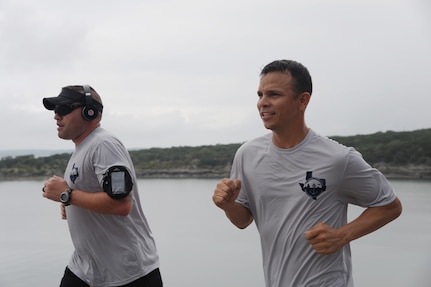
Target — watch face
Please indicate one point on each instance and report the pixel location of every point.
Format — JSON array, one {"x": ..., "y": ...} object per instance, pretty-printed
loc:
[{"x": 64, "y": 197}]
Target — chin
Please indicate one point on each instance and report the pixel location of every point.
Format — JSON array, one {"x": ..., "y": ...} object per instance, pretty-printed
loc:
[
  {"x": 60, "y": 135},
  {"x": 268, "y": 126}
]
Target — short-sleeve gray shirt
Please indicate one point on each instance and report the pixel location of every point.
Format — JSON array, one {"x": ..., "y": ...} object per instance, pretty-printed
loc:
[
  {"x": 288, "y": 191},
  {"x": 110, "y": 250}
]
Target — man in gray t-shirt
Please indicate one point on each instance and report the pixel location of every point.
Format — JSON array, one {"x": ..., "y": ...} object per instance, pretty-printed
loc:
[
  {"x": 100, "y": 200},
  {"x": 296, "y": 186}
]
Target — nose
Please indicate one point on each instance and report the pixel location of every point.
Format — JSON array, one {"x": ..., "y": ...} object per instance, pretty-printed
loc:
[
  {"x": 57, "y": 116},
  {"x": 263, "y": 101}
]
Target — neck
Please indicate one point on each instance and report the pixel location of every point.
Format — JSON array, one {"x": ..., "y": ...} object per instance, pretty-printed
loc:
[
  {"x": 85, "y": 134},
  {"x": 291, "y": 138}
]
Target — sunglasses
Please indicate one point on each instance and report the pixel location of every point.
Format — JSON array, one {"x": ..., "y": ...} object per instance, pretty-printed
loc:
[{"x": 65, "y": 110}]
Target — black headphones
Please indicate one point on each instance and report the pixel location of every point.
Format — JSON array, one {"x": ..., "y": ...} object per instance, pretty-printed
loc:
[{"x": 92, "y": 107}]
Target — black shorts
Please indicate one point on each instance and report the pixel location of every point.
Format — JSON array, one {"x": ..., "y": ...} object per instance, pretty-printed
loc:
[{"x": 153, "y": 279}]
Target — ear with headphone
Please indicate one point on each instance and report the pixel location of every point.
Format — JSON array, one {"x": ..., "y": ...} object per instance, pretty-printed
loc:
[{"x": 90, "y": 111}]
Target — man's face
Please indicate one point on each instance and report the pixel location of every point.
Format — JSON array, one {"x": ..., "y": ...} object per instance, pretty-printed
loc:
[
  {"x": 278, "y": 107},
  {"x": 71, "y": 125}
]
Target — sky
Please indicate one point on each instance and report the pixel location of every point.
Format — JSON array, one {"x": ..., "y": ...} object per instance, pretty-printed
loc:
[{"x": 185, "y": 73}]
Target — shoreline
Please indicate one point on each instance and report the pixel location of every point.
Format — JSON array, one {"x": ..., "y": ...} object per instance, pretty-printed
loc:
[{"x": 396, "y": 173}]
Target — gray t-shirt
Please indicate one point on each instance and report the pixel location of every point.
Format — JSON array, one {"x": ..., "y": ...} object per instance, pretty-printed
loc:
[
  {"x": 288, "y": 191},
  {"x": 110, "y": 250}
]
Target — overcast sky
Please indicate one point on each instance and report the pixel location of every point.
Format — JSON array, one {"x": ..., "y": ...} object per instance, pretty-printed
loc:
[{"x": 185, "y": 73}]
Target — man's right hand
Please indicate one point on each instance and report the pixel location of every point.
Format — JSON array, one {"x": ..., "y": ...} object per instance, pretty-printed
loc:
[
  {"x": 225, "y": 196},
  {"x": 226, "y": 193}
]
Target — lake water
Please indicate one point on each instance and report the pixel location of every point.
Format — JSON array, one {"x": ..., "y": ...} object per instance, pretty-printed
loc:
[{"x": 198, "y": 247}]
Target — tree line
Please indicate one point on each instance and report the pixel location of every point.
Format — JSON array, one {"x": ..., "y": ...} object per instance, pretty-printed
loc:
[{"x": 396, "y": 154}]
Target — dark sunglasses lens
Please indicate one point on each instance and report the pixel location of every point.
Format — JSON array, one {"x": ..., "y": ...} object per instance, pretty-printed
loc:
[{"x": 64, "y": 110}]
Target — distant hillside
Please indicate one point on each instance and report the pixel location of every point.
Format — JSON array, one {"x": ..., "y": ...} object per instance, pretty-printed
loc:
[
  {"x": 396, "y": 154},
  {"x": 35, "y": 152}
]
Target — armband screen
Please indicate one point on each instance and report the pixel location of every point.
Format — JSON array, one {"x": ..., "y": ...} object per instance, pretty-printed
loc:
[{"x": 117, "y": 182}]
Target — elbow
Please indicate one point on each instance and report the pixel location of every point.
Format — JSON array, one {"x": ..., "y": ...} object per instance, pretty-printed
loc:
[
  {"x": 243, "y": 224},
  {"x": 239, "y": 216},
  {"x": 240, "y": 226},
  {"x": 393, "y": 210},
  {"x": 398, "y": 208},
  {"x": 123, "y": 206},
  {"x": 124, "y": 209}
]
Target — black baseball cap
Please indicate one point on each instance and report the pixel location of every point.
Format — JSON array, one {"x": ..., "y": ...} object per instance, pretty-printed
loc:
[{"x": 66, "y": 97}]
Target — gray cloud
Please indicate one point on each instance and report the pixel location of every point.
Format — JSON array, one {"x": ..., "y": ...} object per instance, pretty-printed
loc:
[{"x": 175, "y": 73}]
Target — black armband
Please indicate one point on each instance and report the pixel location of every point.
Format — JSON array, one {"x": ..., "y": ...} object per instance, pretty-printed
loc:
[{"x": 117, "y": 182}]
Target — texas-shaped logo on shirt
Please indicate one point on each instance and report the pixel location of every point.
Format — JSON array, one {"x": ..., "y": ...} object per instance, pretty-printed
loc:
[{"x": 312, "y": 186}]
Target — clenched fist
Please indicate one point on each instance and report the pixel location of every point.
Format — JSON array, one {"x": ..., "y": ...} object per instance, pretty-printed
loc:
[{"x": 226, "y": 193}]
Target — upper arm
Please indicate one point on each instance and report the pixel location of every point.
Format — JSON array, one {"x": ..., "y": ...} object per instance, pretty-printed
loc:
[{"x": 364, "y": 185}]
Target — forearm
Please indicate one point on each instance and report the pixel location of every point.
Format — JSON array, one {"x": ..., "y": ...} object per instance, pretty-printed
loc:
[
  {"x": 326, "y": 240},
  {"x": 370, "y": 220},
  {"x": 239, "y": 215},
  {"x": 100, "y": 202}
]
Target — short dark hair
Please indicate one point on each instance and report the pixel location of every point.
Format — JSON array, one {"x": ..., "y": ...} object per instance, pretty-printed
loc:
[{"x": 298, "y": 72}]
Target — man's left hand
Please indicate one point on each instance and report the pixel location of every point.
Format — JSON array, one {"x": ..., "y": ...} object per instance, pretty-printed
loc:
[{"x": 325, "y": 239}]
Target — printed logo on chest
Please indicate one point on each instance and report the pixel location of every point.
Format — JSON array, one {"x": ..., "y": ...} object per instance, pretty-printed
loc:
[{"x": 313, "y": 186}]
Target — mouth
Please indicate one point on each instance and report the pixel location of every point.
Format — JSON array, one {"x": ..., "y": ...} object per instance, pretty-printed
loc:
[{"x": 264, "y": 115}]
